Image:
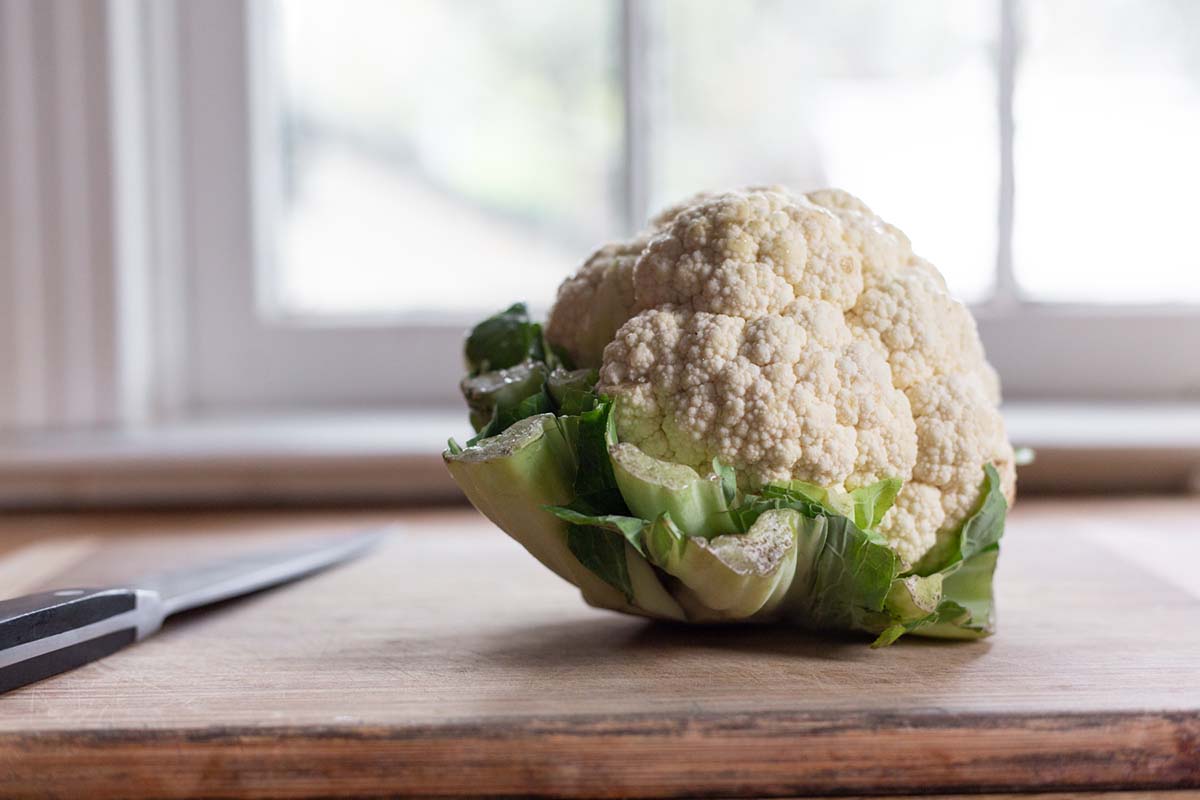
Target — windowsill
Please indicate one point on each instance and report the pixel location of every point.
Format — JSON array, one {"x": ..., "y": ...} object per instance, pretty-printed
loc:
[
  {"x": 1056, "y": 426},
  {"x": 395, "y": 457},
  {"x": 1108, "y": 448},
  {"x": 315, "y": 458}
]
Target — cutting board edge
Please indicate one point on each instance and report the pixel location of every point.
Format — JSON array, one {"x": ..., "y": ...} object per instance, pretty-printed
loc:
[{"x": 771, "y": 754}]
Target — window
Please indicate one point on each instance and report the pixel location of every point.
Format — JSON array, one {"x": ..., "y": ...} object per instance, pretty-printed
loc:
[
  {"x": 428, "y": 147},
  {"x": 319, "y": 197},
  {"x": 1108, "y": 97},
  {"x": 892, "y": 101},
  {"x": 419, "y": 163},
  {"x": 515, "y": 149}
]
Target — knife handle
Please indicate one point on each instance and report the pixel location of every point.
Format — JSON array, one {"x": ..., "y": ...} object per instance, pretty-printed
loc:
[{"x": 51, "y": 632}]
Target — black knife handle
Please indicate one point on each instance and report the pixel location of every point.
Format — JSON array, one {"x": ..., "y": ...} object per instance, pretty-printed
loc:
[{"x": 51, "y": 632}]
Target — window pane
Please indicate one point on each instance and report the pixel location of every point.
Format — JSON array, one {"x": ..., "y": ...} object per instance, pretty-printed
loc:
[
  {"x": 894, "y": 102},
  {"x": 442, "y": 154},
  {"x": 1107, "y": 156}
]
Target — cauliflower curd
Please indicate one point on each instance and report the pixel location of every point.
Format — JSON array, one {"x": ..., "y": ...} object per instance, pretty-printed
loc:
[
  {"x": 792, "y": 337},
  {"x": 764, "y": 408}
]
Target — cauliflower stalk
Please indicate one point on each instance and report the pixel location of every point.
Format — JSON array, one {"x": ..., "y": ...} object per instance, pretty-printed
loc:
[{"x": 764, "y": 407}]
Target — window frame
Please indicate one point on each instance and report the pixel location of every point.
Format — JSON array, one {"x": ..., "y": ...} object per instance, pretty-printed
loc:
[{"x": 238, "y": 359}]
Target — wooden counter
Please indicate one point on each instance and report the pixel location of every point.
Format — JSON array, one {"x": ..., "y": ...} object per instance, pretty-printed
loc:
[{"x": 449, "y": 662}]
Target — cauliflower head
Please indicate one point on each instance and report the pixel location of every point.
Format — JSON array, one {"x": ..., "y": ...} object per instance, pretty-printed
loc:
[
  {"x": 598, "y": 298},
  {"x": 792, "y": 337}
]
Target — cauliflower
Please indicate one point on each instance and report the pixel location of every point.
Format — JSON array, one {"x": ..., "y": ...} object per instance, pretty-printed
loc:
[
  {"x": 594, "y": 302},
  {"x": 799, "y": 337},
  {"x": 598, "y": 298},
  {"x": 759, "y": 350}
]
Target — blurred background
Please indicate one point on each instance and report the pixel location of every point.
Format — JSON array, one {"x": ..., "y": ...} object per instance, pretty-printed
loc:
[{"x": 240, "y": 241}]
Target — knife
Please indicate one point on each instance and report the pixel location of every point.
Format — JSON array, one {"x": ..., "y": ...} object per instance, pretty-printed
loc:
[{"x": 51, "y": 632}]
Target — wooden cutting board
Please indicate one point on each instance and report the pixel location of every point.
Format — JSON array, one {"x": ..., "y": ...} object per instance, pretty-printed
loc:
[{"x": 449, "y": 662}]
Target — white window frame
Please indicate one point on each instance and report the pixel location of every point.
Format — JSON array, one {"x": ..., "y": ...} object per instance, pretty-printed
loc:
[
  {"x": 240, "y": 359},
  {"x": 172, "y": 198},
  {"x": 304, "y": 361}
]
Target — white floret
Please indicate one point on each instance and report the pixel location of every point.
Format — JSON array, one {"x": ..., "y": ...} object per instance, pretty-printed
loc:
[
  {"x": 597, "y": 299},
  {"x": 799, "y": 337},
  {"x": 959, "y": 429},
  {"x": 763, "y": 395},
  {"x": 747, "y": 254},
  {"x": 913, "y": 522},
  {"x": 594, "y": 302}
]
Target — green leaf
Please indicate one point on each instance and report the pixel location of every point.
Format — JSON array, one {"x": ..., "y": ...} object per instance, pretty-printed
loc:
[
  {"x": 966, "y": 609},
  {"x": 573, "y": 392},
  {"x": 864, "y": 506},
  {"x": 629, "y": 527},
  {"x": 556, "y": 358},
  {"x": 979, "y": 531},
  {"x": 872, "y": 502},
  {"x": 743, "y": 516},
  {"x": 651, "y": 487},
  {"x": 890, "y": 634},
  {"x": 511, "y": 476},
  {"x": 913, "y": 597},
  {"x": 731, "y": 576},
  {"x": 853, "y": 576},
  {"x": 453, "y": 447},
  {"x": 985, "y": 527},
  {"x": 504, "y": 417},
  {"x": 912, "y": 602},
  {"x": 534, "y": 404},
  {"x": 492, "y": 397},
  {"x": 609, "y": 563},
  {"x": 595, "y": 468},
  {"x": 965, "y": 562},
  {"x": 728, "y": 480},
  {"x": 803, "y": 492},
  {"x": 603, "y": 553},
  {"x": 664, "y": 542},
  {"x": 504, "y": 340}
]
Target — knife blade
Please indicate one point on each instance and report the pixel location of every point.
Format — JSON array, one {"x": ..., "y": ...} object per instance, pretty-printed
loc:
[{"x": 51, "y": 632}]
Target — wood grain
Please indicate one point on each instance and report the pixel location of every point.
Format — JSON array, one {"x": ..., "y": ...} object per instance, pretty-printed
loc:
[
  {"x": 450, "y": 663},
  {"x": 1180, "y": 794}
]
